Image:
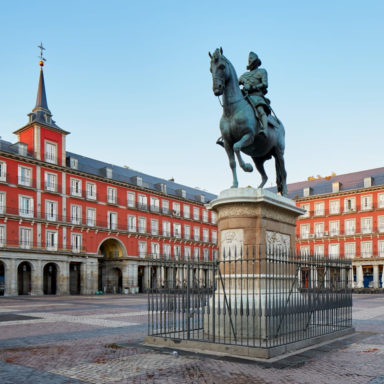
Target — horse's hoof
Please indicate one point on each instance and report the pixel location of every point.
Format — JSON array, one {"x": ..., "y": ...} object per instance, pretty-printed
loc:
[
  {"x": 263, "y": 182},
  {"x": 248, "y": 167},
  {"x": 234, "y": 185}
]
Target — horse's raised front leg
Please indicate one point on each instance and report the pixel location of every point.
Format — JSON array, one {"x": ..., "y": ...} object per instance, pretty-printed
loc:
[
  {"x": 242, "y": 143},
  {"x": 232, "y": 163},
  {"x": 259, "y": 162}
]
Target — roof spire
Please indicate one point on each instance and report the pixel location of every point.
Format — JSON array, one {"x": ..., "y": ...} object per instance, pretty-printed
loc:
[{"x": 41, "y": 98}]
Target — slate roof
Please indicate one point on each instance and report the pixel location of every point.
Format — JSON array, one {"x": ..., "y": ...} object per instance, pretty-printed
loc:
[
  {"x": 348, "y": 181},
  {"x": 126, "y": 175}
]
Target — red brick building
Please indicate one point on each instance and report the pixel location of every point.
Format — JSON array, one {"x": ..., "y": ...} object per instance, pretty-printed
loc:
[
  {"x": 71, "y": 224},
  {"x": 345, "y": 218}
]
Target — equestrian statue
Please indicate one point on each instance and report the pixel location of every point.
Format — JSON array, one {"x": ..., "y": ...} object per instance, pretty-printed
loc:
[{"x": 248, "y": 123}]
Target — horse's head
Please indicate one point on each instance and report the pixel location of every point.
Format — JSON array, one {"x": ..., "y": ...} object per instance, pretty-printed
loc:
[{"x": 219, "y": 70}]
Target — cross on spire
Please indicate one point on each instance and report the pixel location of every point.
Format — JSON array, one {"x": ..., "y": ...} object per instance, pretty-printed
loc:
[{"x": 41, "y": 57}]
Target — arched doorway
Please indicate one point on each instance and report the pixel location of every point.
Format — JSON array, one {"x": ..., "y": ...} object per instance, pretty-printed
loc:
[
  {"x": 24, "y": 280},
  {"x": 110, "y": 273},
  {"x": 74, "y": 278},
  {"x": 2, "y": 279},
  {"x": 50, "y": 279}
]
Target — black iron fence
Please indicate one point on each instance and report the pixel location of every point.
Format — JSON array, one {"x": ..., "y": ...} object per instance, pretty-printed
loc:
[{"x": 253, "y": 298}]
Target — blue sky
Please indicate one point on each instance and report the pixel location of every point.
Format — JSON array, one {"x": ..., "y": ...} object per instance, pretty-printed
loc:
[{"x": 130, "y": 80}]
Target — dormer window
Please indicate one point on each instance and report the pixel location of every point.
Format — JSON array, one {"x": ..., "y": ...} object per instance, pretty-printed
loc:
[
  {"x": 73, "y": 163},
  {"x": 48, "y": 118},
  {"x": 50, "y": 152}
]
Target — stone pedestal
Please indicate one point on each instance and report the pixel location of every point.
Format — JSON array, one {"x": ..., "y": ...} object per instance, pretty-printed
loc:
[{"x": 254, "y": 227}]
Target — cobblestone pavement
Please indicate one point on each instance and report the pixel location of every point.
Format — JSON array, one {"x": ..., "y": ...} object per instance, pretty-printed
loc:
[{"x": 97, "y": 339}]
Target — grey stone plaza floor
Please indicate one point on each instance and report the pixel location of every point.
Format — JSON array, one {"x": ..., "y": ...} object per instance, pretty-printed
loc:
[{"x": 97, "y": 339}]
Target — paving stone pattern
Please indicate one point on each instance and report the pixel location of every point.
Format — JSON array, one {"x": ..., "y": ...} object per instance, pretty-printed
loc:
[{"x": 90, "y": 339}]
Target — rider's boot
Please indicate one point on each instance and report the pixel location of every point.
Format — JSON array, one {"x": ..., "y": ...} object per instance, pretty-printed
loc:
[{"x": 264, "y": 124}]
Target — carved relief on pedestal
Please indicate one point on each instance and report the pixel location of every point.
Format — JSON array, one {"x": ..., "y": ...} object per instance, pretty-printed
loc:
[
  {"x": 232, "y": 242},
  {"x": 276, "y": 240}
]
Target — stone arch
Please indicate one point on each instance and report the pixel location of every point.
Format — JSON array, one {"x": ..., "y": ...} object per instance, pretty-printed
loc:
[
  {"x": 50, "y": 278},
  {"x": 113, "y": 248},
  {"x": 24, "y": 277}
]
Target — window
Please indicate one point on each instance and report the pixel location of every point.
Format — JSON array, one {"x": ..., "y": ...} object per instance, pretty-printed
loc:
[
  {"x": 50, "y": 153},
  {"x": 25, "y": 206},
  {"x": 187, "y": 253},
  {"x": 304, "y": 231},
  {"x": 25, "y": 176},
  {"x": 366, "y": 202},
  {"x": 155, "y": 204},
  {"x": 154, "y": 227},
  {"x": 91, "y": 217},
  {"x": 205, "y": 216},
  {"x": 350, "y": 226},
  {"x": 76, "y": 242},
  {"x": 205, "y": 235},
  {"x": 51, "y": 240},
  {"x": 334, "y": 228},
  {"x": 111, "y": 195},
  {"x": 131, "y": 223},
  {"x": 176, "y": 209},
  {"x": 50, "y": 182},
  {"x": 25, "y": 238},
  {"x": 306, "y": 208},
  {"x": 380, "y": 247},
  {"x": 187, "y": 232},
  {"x": 334, "y": 250},
  {"x": 73, "y": 163},
  {"x": 319, "y": 229},
  {"x": 319, "y": 250},
  {"x": 142, "y": 202},
  {"x": 304, "y": 250},
  {"x": 142, "y": 249},
  {"x": 142, "y": 225},
  {"x": 214, "y": 237},
  {"x": 155, "y": 250},
  {"x": 206, "y": 254},
  {"x": 165, "y": 207},
  {"x": 90, "y": 191},
  {"x": 3, "y": 171},
  {"x": 177, "y": 251},
  {"x": 2, "y": 202},
  {"x": 166, "y": 228},
  {"x": 51, "y": 210},
  {"x": 131, "y": 199},
  {"x": 196, "y": 253},
  {"x": 196, "y": 233},
  {"x": 177, "y": 230},
  {"x": 167, "y": 251},
  {"x": 187, "y": 211},
  {"x": 380, "y": 200},
  {"x": 76, "y": 187},
  {"x": 112, "y": 220},
  {"x": 319, "y": 209},
  {"x": 76, "y": 214},
  {"x": 366, "y": 248},
  {"x": 213, "y": 217},
  {"x": 334, "y": 207},
  {"x": 349, "y": 204},
  {"x": 366, "y": 225},
  {"x": 3, "y": 240},
  {"x": 350, "y": 250},
  {"x": 380, "y": 223},
  {"x": 196, "y": 213}
]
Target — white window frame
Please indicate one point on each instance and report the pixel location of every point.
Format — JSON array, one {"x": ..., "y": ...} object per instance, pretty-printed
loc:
[
  {"x": 380, "y": 248},
  {"x": 167, "y": 251},
  {"x": 380, "y": 200},
  {"x": 177, "y": 252},
  {"x": 187, "y": 252},
  {"x": 176, "y": 209},
  {"x": 154, "y": 227},
  {"x": 306, "y": 207},
  {"x": 366, "y": 225},
  {"x": 214, "y": 237},
  {"x": 142, "y": 228},
  {"x": 51, "y": 209},
  {"x": 380, "y": 223},
  {"x": 154, "y": 203},
  {"x": 3, "y": 171},
  {"x": 205, "y": 216},
  {"x": 366, "y": 249},
  {"x": 187, "y": 232},
  {"x": 213, "y": 217},
  {"x": 205, "y": 254},
  {"x": 112, "y": 220},
  {"x": 142, "y": 202},
  {"x": 350, "y": 250},
  {"x": 350, "y": 226},
  {"x": 51, "y": 240},
  {"x": 319, "y": 229},
  {"x": 91, "y": 218},
  {"x": 75, "y": 187},
  {"x": 111, "y": 195},
  {"x": 50, "y": 152},
  {"x": 3, "y": 235},
  {"x": 76, "y": 241},
  {"x": 205, "y": 235},
  {"x": 196, "y": 253},
  {"x": 319, "y": 208},
  {"x": 334, "y": 228},
  {"x": 196, "y": 213},
  {"x": 142, "y": 249},
  {"x": 166, "y": 228},
  {"x": 3, "y": 202},
  {"x": 304, "y": 250},
  {"x": 132, "y": 223},
  {"x": 25, "y": 243},
  {"x": 334, "y": 207},
  {"x": 186, "y": 211},
  {"x": 50, "y": 181},
  {"x": 131, "y": 199},
  {"x": 90, "y": 189},
  {"x": 177, "y": 230},
  {"x": 24, "y": 176},
  {"x": 366, "y": 202},
  {"x": 76, "y": 211},
  {"x": 334, "y": 250},
  {"x": 196, "y": 233},
  {"x": 319, "y": 250},
  {"x": 28, "y": 211},
  {"x": 155, "y": 250},
  {"x": 349, "y": 204},
  {"x": 165, "y": 207},
  {"x": 304, "y": 231}
]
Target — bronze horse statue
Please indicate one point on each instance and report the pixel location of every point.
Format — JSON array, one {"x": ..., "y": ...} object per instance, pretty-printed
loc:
[{"x": 239, "y": 124}]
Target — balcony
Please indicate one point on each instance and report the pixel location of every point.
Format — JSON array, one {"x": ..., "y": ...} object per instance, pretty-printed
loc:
[
  {"x": 76, "y": 192},
  {"x": 25, "y": 181},
  {"x": 142, "y": 207},
  {"x": 155, "y": 208},
  {"x": 50, "y": 187},
  {"x": 165, "y": 211},
  {"x": 50, "y": 158},
  {"x": 167, "y": 233}
]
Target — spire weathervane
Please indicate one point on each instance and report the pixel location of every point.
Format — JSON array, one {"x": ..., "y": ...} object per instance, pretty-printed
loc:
[{"x": 41, "y": 57}]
